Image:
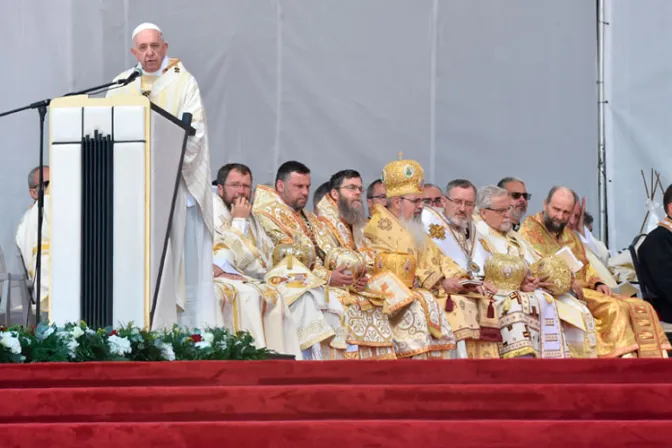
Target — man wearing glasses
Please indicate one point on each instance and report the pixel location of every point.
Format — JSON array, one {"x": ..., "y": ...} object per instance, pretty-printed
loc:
[
  {"x": 530, "y": 317},
  {"x": 421, "y": 328},
  {"x": 432, "y": 196},
  {"x": 473, "y": 319},
  {"x": 519, "y": 196},
  {"x": 342, "y": 212},
  {"x": 241, "y": 258},
  {"x": 375, "y": 194},
  {"x": 26, "y": 235}
]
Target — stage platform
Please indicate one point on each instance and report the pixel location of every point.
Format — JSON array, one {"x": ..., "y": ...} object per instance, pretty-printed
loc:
[{"x": 499, "y": 403}]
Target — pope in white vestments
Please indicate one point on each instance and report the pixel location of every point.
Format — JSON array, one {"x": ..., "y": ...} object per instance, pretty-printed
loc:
[{"x": 169, "y": 85}]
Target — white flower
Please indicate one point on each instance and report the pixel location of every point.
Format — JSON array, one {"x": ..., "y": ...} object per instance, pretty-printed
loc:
[
  {"x": 208, "y": 337},
  {"x": 72, "y": 346},
  {"x": 135, "y": 331},
  {"x": 76, "y": 332},
  {"x": 90, "y": 332},
  {"x": 222, "y": 345},
  {"x": 167, "y": 351},
  {"x": 119, "y": 346},
  {"x": 11, "y": 342},
  {"x": 202, "y": 344}
]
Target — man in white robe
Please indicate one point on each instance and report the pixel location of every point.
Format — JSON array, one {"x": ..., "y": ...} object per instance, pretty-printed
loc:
[
  {"x": 242, "y": 257},
  {"x": 187, "y": 294},
  {"x": 26, "y": 236}
]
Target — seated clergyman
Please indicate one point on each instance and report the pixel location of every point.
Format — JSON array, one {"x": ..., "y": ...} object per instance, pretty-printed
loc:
[{"x": 242, "y": 256}]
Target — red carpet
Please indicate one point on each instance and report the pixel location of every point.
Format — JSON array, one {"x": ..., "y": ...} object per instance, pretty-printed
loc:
[{"x": 498, "y": 403}]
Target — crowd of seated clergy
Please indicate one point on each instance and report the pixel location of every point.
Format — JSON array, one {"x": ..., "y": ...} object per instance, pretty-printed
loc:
[{"x": 400, "y": 268}]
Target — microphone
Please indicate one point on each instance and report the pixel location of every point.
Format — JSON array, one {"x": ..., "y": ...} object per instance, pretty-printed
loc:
[{"x": 137, "y": 71}]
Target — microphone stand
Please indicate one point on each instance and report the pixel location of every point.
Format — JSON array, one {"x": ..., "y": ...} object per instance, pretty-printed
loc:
[{"x": 41, "y": 107}]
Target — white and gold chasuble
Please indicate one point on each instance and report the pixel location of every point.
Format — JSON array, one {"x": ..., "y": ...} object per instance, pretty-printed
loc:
[
  {"x": 366, "y": 319},
  {"x": 251, "y": 304},
  {"x": 176, "y": 91},
  {"x": 319, "y": 319},
  {"x": 419, "y": 324},
  {"x": 474, "y": 320},
  {"x": 529, "y": 320}
]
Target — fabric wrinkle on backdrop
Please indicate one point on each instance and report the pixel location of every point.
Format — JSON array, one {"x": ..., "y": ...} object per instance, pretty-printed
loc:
[{"x": 477, "y": 89}]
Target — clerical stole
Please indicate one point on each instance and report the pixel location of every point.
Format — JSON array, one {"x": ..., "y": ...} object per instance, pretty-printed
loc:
[
  {"x": 624, "y": 325},
  {"x": 466, "y": 252}
]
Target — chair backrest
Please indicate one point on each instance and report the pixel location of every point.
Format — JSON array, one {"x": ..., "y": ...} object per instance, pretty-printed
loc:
[{"x": 634, "y": 247}]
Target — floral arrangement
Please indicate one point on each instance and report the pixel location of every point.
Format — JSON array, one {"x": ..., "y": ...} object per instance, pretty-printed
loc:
[{"x": 79, "y": 343}]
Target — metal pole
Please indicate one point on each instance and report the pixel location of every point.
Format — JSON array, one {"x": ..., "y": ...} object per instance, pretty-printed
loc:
[{"x": 601, "y": 105}]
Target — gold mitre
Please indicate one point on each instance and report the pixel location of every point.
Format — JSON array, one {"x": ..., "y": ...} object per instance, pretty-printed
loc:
[
  {"x": 403, "y": 177},
  {"x": 400, "y": 264},
  {"x": 553, "y": 270}
]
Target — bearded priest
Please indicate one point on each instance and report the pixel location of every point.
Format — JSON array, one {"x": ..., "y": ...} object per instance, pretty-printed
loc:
[
  {"x": 625, "y": 327},
  {"x": 242, "y": 257},
  {"x": 168, "y": 84},
  {"x": 400, "y": 247},
  {"x": 370, "y": 311}
]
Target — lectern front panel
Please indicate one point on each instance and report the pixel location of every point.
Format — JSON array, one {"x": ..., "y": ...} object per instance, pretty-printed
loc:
[{"x": 100, "y": 206}]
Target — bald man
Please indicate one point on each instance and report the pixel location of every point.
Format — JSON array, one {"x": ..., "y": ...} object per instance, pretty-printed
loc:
[{"x": 625, "y": 327}]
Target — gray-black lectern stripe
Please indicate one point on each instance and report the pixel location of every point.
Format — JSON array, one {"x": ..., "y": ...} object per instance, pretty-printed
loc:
[{"x": 97, "y": 229}]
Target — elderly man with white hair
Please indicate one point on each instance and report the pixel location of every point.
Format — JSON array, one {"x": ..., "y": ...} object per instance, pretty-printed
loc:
[
  {"x": 565, "y": 327},
  {"x": 188, "y": 268}
]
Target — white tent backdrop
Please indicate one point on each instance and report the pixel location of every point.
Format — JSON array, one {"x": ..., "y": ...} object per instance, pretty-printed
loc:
[
  {"x": 638, "y": 81},
  {"x": 474, "y": 89}
]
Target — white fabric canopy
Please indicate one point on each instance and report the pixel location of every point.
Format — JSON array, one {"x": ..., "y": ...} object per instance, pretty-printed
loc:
[{"x": 477, "y": 89}]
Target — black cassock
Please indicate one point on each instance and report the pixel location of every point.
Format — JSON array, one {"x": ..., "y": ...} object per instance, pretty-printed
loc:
[{"x": 655, "y": 258}]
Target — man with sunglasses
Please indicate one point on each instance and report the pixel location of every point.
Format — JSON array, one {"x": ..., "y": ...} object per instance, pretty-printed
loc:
[
  {"x": 26, "y": 235},
  {"x": 519, "y": 196},
  {"x": 469, "y": 305},
  {"x": 241, "y": 259}
]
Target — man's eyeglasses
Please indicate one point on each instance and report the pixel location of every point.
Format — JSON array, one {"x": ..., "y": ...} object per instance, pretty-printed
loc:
[
  {"x": 467, "y": 204},
  {"x": 517, "y": 195},
  {"x": 501, "y": 211},
  {"x": 238, "y": 186},
  {"x": 378, "y": 196},
  {"x": 434, "y": 202},
  {"x": 415, "y": 202}
]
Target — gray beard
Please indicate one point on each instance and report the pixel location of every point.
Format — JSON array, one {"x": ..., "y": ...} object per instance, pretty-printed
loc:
[
  {"x": 463, "y": 226},
  {"x": 351, "y": 215},
  {"x": 517, "y": 216},
  {"x": 417, "y": 230}
]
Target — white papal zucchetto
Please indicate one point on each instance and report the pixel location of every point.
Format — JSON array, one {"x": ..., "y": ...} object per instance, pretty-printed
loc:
[{"x": 143, "y": 27}]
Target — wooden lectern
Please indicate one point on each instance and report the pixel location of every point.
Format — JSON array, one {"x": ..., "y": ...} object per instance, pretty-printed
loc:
[{"x": 115, "y": 165}]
